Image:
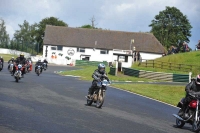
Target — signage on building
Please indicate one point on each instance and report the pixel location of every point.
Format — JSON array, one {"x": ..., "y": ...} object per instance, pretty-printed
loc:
[{"x": 70, "y": 52}]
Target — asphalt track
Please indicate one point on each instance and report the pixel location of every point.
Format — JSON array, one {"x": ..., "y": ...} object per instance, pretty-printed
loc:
[{"x": 51, "y": 103}]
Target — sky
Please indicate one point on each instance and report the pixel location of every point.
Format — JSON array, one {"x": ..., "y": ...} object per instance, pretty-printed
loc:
[{"x": 117, "y": 15}]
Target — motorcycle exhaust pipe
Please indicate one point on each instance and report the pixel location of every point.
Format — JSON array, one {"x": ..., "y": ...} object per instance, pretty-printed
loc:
[{"x": 178, "y": 117}]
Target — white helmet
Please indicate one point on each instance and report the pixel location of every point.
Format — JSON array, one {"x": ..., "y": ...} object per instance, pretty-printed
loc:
[{"x": 198, "y": 79}]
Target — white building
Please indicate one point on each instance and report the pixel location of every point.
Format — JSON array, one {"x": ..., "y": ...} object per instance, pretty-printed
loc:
[{"x": 97, "y": 45}]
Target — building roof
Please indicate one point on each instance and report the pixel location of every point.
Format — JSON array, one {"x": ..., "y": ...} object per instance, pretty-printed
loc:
[{"x": 102, "y": 39}]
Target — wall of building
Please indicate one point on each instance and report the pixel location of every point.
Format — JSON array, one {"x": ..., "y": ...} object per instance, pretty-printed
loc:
[{"x": 92, "y": 54}]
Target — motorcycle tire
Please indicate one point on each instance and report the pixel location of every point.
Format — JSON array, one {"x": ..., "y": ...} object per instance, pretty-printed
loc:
[
  {"x": 196, "y": 126},
  {"x": 16, "y": 79},
  {"x": 100, "y": 100},
  {"x": 89, "y": 102}
]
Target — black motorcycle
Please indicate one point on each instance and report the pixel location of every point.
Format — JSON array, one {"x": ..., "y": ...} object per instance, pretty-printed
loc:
[
  {"x": 191, "y": 114},
  {"x": 38, "y": 70}
]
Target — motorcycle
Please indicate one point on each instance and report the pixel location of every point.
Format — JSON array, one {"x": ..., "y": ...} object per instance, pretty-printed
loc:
[
  {"x": 11, "y": 67},
  {"x": 44, "y": 65},
  {"x": 27, "y": 69},
  {"x": 98, "y": 96},
  {"x": 18, "y": 72},
  {"x": 38, "y": 70},
  {"x": 1, "y": 65},
  {"x": 191, "y": 114}
]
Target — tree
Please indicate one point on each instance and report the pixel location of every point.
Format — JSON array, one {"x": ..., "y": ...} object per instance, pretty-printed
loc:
[
  {"x": 171, "y": 27},
  {"x": 41, "y": 28},
  {"x": 88, "y": 27},
  {"x": 4, "y": 37},
  {"x": 24, "y": 39}
]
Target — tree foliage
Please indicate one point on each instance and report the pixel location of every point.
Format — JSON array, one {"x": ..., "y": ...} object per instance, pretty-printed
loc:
[
  {"x": 42, "y": 25},
  {"x": 24, "y": 38},
  {"x": 88, "y": 27},
  {"x": 4, "y": 37},
  {"x": 171, "y": 27}
]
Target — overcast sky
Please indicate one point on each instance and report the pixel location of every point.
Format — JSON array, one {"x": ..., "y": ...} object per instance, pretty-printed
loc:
[{"x": 118, "y": 15}]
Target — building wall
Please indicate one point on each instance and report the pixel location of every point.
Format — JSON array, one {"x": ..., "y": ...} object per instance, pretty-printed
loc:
[{"x": 92, "y": 54}]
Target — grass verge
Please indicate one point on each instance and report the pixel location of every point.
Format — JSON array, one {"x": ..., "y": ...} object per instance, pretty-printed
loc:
[
  {"x": 164, "y": 93},
  {"x": 7, "y": 57}
]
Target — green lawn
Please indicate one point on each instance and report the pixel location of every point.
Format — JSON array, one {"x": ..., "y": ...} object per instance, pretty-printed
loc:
[
  {"x": 7, "y": 57},
  {"x": 165, "y": 93}
]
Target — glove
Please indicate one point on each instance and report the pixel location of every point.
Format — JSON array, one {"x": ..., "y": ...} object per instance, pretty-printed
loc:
[{"x": 99, "y": 80}]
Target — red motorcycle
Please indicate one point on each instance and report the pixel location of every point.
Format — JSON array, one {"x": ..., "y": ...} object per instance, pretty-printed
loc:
[
  {"x": 28, "y": 67},
  {"x": 191, "y": 114}
]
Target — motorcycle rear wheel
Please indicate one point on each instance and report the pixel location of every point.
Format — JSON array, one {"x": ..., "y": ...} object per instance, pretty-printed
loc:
[
  {"x": 100, "y": 100},
  {"x": 179, "y": 123}
]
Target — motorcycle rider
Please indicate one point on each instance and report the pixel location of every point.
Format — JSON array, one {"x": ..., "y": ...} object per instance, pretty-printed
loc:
[
  {"x": 20, "y": 60},
  {"x": 2, "y": 60},
  {"x": 193, "y": 88},
  {"x": 37, "y": 64},
  {"x": 10, "y": 61},
  {"x": 97, "y": 75}
]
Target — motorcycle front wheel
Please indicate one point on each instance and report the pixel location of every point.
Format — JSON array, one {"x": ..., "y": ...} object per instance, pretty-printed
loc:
[
  {"x": 196, "y": 126},
  {"x": 38, "y": 73},
  {"x": 89, "y": 102},
  {"x": 16, "y": 79},
  {"x": 100, "y": 99}
]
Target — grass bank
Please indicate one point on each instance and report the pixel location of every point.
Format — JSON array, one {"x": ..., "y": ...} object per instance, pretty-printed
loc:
[
  {"x": 165, "y": 93},
  {"x": 7, "y": 57}
]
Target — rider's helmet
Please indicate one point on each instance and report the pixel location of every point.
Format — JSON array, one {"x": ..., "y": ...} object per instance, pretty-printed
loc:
[
  {"x": 101, "y": 68},
  {"x": 198, "y": 79},
  {"x": 21, "y": 56},
  {"x": 12, "y": 58},
  {"x": 39, "y": 60}
]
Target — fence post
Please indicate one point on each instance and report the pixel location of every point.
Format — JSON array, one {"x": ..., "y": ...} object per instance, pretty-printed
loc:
[
  {"x": 153, "y": 63},
  {"x": 190, "y": 76},
  {"x": 116, "y": 66},
  {"x": 146, "y": 63}
]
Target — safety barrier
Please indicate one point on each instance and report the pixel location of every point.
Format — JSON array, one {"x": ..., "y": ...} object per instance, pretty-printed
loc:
[{"x": 170, "y": 77}]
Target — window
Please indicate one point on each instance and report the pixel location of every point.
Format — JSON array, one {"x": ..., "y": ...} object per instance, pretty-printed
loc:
[
  {"x": 60, "y": 48},
  {"x": 82, "y": 50},
  {"x": 57, "y": 48},
  {"x": 103, "y": 51},
  {"x": 53, "y": 48},
  {"x": 126, "y": 58}
]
